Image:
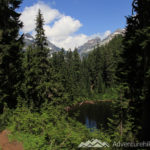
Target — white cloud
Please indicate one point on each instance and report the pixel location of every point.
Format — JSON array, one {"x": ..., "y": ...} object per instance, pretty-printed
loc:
[
  {"x": 71, "y": 41},
  {"x": 62, "y": 32},
  {"x": 29, "y": 14},
  {"x": 74, "y": 41},
  {"x": 63, "y": 27}
]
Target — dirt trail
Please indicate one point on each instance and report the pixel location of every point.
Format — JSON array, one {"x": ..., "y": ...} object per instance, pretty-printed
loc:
[{"x": 6, "y": 145}]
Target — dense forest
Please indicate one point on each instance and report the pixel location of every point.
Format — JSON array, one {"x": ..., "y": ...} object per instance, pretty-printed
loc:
[{"x": 36, "y": 86}]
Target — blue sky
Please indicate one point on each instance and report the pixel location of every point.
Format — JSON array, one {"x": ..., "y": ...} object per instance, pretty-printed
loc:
[{"x": 83, "y": 18}]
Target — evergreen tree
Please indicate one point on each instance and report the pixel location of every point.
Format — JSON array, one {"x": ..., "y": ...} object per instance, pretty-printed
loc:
[
  {"x": 85, "y": 78},
  {"x": 92, "y": 64},
  {"x": 38, "y": 68},
  {"x": 10, "y": 53},
  {"x": 120, "y": 125},
  {"x": 60, "y": 77},
  {"x": 40, "y": 38},
  {"x": 76, "y": 74},
  {"x": 101, "y": 65},
  {"x": 69, "y": 75},
  {"x": 135, "y": 65}
]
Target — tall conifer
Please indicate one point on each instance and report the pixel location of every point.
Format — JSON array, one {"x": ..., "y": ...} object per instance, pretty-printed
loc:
[
  {"x": 135, "y": 66},
  {"x": 10, "y": 53},
  {"x": 37, "y": 67}
]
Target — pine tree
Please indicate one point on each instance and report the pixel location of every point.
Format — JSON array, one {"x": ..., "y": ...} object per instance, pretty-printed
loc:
[
  {"x": 84, "y": 78},
  {"x": 40, "y": 38},
  {"x": 69, "y": 75},
  {"x": 10, "y": 53},
  {"x": 38, "y": 68},
  {"x": 135, "y": 65},
  {"x": 76, "y": 62},
  {"x": 60, "y": 78},
  {"x": 101, "y": 65},
  {"x": 120, "y": 125}
]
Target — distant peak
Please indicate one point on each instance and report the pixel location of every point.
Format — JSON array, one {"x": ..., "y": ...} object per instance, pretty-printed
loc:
[
  {"x": 29, "y": 40},
  {"x": 94, "y": 40},
  {"x": 28, "y": 35},
  {"x": 97, "y": 38},
  {"x": 120, "y": 31}
]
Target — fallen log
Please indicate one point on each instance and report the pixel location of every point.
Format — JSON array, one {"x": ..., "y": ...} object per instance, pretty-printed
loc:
[{"x": 68, "y": 108}]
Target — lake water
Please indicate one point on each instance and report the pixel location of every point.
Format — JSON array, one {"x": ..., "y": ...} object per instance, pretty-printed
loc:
[{"x": 94, "y": 115}]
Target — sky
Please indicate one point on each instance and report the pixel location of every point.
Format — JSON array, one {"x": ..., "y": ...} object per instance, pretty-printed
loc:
[{"x": 71, "y": 23}]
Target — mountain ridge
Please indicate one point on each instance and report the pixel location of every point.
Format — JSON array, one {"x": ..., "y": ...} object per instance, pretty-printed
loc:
[
  {"x": 87, "y": 47},
  {"x": 83, "y": 49},
  {"x": 29, "y": 40}
]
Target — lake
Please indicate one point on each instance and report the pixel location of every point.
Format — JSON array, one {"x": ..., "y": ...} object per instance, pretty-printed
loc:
[{"x": 93, "y": 115}]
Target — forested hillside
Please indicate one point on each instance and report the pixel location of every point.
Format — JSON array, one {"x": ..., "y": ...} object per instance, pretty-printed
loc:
[{"x": 36, "y": 87}]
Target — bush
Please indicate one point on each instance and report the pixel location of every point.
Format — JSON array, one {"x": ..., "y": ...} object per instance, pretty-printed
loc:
[
  {"x": 5, "y": 117},
  {"x": 49, "y": 129}
]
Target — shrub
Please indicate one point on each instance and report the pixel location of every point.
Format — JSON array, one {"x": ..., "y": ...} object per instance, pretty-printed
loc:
[{"x": 49, "y": 129}]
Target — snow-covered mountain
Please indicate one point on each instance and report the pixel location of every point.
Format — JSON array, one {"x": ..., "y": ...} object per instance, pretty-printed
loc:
[
  {"x": 91, "y": 44},
  {"x": 29, "y": 40}
]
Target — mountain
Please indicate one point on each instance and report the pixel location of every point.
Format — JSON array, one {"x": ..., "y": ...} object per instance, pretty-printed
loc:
[
  {"x": 91, "y": 44},
  {"x": 111, "y": 36},
  {"x": 29, "y": 40},
  {"x": 84, "y": 49}
]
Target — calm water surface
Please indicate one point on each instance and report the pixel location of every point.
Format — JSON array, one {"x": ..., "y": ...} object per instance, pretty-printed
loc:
[{"x": 94, "y": 115}]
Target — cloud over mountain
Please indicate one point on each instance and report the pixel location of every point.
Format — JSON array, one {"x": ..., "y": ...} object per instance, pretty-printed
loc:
[{"x": 59, "y": 28}]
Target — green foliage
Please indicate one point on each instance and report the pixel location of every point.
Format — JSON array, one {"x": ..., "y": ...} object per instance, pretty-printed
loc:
[
  {"x": 49, "y": 129},
  {"x": 49, "y": 84},
  {"x": 120, "y": 126},
  {"x": 134, "y": 67},
  {"x": 40, "y": 38},
  {"x": 30, "y": 141},
  {"x": 5, "y": 117},
  {"x": 110, "y": 94},
  {"x": 93, "y": 77},
  {"x": 100, "y": 67},
  {"x": 37, "y": 85},
  {"x": 11, "y": 73}
]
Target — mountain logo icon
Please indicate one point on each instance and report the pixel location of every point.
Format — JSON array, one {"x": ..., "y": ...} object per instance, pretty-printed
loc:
[{"x": 93, "y": 143}]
